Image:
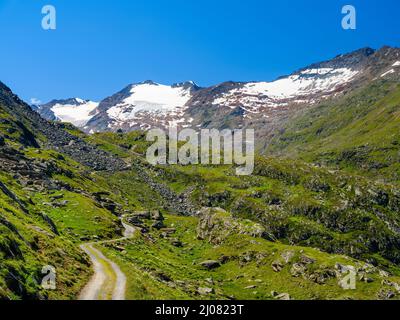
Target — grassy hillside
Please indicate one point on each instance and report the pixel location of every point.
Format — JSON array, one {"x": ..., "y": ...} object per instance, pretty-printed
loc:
[
  {"x": 173, "y": 263},
  {"x": 298, "y": 203},
  {"x": 359, "y": 133},
  {"x": 49, "y": 203}
]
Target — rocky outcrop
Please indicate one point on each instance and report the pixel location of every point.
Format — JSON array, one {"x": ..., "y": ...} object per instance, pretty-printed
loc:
[{"x": 215, "y": 224}]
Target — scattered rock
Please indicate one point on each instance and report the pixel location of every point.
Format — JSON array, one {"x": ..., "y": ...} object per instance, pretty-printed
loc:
[
  {"x": 287, "y": 255},
  {"x": 216, "y": 224},
  {"x": 384, "y": 274},
  {"x": 176, "y": 243},
  {"x": 280, "y": 296},
  {"x": 386, "y": 294},
  {"x": 274, "y": 293},
  {"x": 298, "y": 269},
  {"x": 57, "y": 197},
  {"x": 224, "y": 259},
  {"x": 366, "y": 279},
  {"x": 162, "y": 277},
  {"x": 251, "y": 287},
  {"x": 158, "y": 225},
  {"x": 391, "y": 284},
  {"x": 142, "y": 215}
]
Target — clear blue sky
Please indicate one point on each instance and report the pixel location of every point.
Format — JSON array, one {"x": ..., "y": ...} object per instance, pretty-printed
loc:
[{"x": 100, "y": 46}]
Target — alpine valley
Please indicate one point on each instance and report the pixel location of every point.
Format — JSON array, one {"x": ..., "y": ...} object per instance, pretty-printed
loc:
[{"x": 323, "y": 203}]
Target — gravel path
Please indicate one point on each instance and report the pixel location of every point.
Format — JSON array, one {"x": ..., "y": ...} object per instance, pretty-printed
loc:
[{"x": 108, "y": 281}]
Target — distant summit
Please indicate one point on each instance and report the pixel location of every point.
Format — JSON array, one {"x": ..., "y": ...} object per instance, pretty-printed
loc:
[{"x": 74, "y": 110}]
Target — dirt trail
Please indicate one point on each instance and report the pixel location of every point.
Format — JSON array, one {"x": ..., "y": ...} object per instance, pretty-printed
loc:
[{"x": 108, "y": 281}]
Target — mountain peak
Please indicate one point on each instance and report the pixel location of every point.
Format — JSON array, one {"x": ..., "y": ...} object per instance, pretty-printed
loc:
[
  {"x": 186, "y": 85},
  {"x": 150, "y": 82},
  {"x": 67, "y": 101},
  {"x": 352, "y": 60}
]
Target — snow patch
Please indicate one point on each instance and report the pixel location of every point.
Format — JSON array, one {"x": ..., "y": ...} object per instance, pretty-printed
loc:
[
  {"x": 78, "y": 115},
  {"x": 294, "y": 87},
  {"x": 308, "y": 82},
  {"x": 152, "y": 98},
  {"x": 387, "y": 73}
]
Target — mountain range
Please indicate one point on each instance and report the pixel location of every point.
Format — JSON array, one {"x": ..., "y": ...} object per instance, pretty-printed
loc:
[{"x": 263, "y": 106}]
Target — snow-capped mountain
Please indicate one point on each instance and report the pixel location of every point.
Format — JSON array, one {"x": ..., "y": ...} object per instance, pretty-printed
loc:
[
  {"x": 260, "y": 105},
  {"x": 292, "y": 89},
  {"x": 74, "y": 110},
  {"x": 144, "y": 105},
  {"x": 266, "y": 106},
  {"x": 317, "y": 81}
]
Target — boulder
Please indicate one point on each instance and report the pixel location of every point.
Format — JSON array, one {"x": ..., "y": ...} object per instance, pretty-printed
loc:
[
  {"x": 385, "y": 294},
  {"x": 135, "y": 221},
  {"x": 210, "y": 264},
  {"x": 142, "y": 215},
  {"x": 205, "y": 291},
  {"x": 280, "y": 296},
  {"x": 298, "y": 269},
  {"x": 176, "y": 243},
  {"x": 156, "y": 215},
  {"x": 158, "y": 225},
  {"x": 251, "y": 287},
  {"x": 168, "y": 230},
  {"x": 306, "y": 260},
  {"x": 283, "y": 296},
  {"x": 277, "y": 266}
]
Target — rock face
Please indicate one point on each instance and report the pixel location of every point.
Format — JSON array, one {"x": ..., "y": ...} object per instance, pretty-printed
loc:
[{"x": 216, "y": 224}]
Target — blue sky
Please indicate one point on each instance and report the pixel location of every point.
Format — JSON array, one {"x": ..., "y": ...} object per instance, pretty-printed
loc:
[{"x": 100, "y": 46}]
